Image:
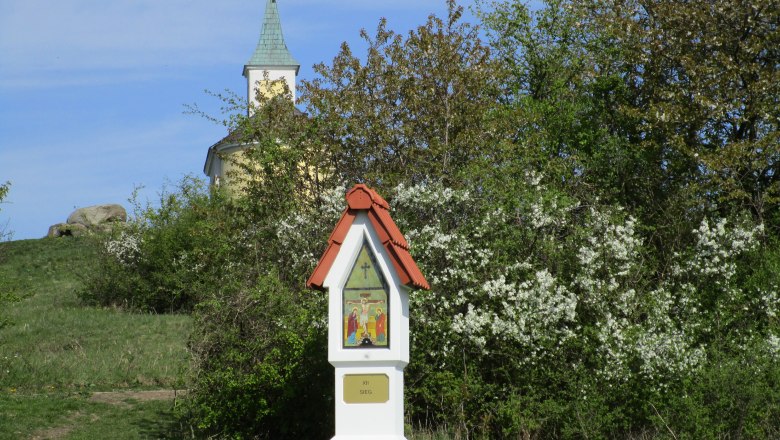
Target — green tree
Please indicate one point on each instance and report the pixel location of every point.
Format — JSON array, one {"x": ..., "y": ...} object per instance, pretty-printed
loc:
[
  {"x": 416, "y": 109},
  {"x": 704, "y": 80},
  {"x": 667, "y": 108}
]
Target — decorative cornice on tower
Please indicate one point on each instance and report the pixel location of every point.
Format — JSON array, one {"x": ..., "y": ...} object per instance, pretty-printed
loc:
[{"x": 271, "y": 50}]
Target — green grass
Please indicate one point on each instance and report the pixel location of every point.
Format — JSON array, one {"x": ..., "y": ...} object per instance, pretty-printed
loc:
[
  {"x": 75, "y": 416},
  {"x": 55, "y": 351},
  {"x": 423, "y": 434}
]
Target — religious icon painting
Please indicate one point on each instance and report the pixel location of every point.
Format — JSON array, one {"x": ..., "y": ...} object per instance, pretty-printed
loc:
[{"x": 366, "y": 306}]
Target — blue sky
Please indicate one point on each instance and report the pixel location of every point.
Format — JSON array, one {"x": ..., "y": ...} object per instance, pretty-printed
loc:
[{"x": 92, "y": 92}]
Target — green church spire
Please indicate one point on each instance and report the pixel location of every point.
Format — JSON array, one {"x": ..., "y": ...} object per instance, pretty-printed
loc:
[{"x": 271, "y": 49}]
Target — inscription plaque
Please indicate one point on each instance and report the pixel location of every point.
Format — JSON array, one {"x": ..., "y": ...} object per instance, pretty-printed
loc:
[{"x": 366, "y": 388}]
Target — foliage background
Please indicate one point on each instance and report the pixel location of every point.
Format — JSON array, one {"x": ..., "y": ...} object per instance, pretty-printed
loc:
[{"x": 591, "y": 190}]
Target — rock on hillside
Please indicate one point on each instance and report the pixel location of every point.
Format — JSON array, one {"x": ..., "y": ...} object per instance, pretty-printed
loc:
[
  {"x": 96, "y": 218},
  {"x": 97, "y": 215},
  {"x": 66, "y": 230}
]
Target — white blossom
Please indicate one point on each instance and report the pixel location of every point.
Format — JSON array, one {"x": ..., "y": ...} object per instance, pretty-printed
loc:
[
  {"x": 533, "y": 313},
  {"x": 126, "y": 248},
  {"x": 773, "y": 343}
]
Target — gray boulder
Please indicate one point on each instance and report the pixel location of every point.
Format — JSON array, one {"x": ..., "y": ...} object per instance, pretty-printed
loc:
[
  {"x": 66, "y": 230},
  {"x": 96, "y": 217}
]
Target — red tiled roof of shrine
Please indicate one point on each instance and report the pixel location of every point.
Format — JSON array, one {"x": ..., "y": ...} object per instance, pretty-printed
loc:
[{"x": 363, "y": 198}]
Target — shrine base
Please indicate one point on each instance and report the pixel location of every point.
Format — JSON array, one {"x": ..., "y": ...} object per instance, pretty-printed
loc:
[{"x": 369, "y": 402}]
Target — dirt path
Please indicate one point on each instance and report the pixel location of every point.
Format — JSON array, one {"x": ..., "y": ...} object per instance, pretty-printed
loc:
[
  {"x": 119, "y": 398},
  {"x": 59, "y": 432}
]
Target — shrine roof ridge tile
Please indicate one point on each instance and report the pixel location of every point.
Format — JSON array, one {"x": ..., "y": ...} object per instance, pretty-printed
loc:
[{"x": 363, "y": 198}]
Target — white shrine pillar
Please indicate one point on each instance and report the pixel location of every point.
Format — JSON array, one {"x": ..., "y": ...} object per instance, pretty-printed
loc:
[{"x": 367, "y": 271}]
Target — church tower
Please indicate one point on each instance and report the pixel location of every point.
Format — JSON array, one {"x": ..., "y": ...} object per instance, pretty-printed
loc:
[
  {"x": 271, "y": 58},
  {"x": 271, "y": 61}
]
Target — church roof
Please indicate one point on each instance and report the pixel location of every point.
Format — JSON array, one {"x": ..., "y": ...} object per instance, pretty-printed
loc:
[
  {"x": 234, "y": 138},
  {"x": 363, "y": 198},
  {"x": 271, "y": 49}
]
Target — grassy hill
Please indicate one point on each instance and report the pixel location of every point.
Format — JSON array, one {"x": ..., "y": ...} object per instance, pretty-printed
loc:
[{"x": 68, "y": 371}]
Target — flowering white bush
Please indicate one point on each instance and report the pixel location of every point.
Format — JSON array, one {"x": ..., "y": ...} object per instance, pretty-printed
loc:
[
  {"x": 578, "y": 278},
  {"x": 533, "y": 313},
  {"x": 189, "y": 262},
  {"x": 608, "y": 257},
  {"x": 773, "y": 343},
  {"x": 540, "y": 284},
  {"x": 126, "y": 248},
  {"x": 716, "y": 248},
  {"x": 300, "y": 232},
  {"x": 769, "y": 302}
]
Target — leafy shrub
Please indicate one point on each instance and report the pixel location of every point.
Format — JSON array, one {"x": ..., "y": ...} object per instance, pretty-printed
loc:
[
  {"x": 261, "y": 363},
  {"x": 547, "y": 318},
  {"x": 7, "y": 296},
  {"x": 260, "y": 345},
  {"x": 166, "y": 256}
]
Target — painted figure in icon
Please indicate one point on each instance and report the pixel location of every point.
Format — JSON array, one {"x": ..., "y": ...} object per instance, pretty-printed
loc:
[
  {"x": 352, "y": 326},
  {"x": 380, "y": 318},
  {"x": 365, "y": 309},
  {"x": 364, "y": 292}
]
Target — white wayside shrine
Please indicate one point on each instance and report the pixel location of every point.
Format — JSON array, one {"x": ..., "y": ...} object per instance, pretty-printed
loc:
[{"x": 367, "y": 271}]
